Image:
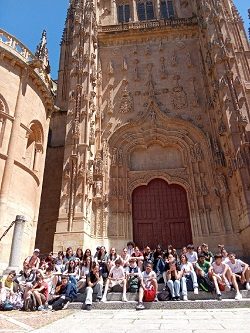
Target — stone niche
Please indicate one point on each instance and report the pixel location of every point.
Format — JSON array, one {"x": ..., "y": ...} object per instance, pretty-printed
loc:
[{"x": 155, "y": 157}]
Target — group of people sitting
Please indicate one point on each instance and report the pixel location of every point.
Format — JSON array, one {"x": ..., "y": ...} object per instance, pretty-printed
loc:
[{"x": 52, "y": 282}]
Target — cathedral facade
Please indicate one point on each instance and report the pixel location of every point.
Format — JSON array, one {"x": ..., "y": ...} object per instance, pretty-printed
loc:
[{"x": 152, "y": 140}]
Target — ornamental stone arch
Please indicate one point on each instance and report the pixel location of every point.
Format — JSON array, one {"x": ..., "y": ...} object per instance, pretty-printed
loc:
[
  {"x": 194, "y": 173},
  {"x": 34, "y": 146}
]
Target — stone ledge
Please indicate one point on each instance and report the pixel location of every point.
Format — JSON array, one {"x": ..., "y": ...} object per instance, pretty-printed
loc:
[{"x": 168, "y": 305}]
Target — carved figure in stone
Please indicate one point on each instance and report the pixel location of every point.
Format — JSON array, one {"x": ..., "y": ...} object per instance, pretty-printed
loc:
[
  {"x": 89, "y": 177},
  {"x": 179, "y": 96},
  {"x": 92, "y": 133},
  {"x": 98, "y": 186},
  {"x": 81, "y": 170},
  {"x": 196, "y": 152},
  {"x": 66, "y": 173},
  {"x": 147, "y": 50},
  {"x": 222, "y": 187},
  {"x": 98, "y": 165},
  {"x": 163, "y": 71},
  {"x": 124, "y": 65},
  {"x": 150, "y": 82},
  {"x": 219, "y": 155},
  {"x": 161, "y": 46},
  {"x": 110, "y": 68},
  {"x": 126, "y": 104},
  {"x": 152, "y": 115},
  {"x": 173, "y": 59},
  {"x": 120, "y": 157},
  {"x": 189, "y": 60},
  {"x": 114, "y": 157},
  {"x": 221, "y": 127},
  {"x": 136, "y": 72}
]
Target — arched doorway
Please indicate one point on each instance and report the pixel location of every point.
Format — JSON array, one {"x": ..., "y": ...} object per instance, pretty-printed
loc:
[{"x": 161, "y": 215}]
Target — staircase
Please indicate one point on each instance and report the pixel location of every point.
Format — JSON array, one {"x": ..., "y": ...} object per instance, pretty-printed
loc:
[{"x": 201, "y": 301}]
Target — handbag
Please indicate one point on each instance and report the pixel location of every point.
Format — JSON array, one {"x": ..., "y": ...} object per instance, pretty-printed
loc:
[
  {"x": 149, "y": 295},
  {"x": 7, "y": 306}
]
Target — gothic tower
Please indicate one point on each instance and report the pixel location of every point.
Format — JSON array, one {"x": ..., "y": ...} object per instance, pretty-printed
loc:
[{"x": 153, "y": 124}]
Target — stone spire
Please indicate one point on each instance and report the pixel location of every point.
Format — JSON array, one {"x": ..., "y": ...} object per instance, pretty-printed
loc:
[{"x": 42, "y": 52}]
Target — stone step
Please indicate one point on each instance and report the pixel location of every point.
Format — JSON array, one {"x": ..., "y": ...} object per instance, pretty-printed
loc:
[
  {"x": 202, "y": 296},
  {"x": 168, "y": 305}
]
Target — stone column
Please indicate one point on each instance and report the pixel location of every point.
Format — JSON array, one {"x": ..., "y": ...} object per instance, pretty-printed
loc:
[{"x": 16, "y": 246}]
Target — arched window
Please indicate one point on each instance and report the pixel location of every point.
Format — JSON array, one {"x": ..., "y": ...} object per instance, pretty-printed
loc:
[
  {"x": 167, "y": 9},
  {"x": 123, "y": 12},
  {"x": 34, "y": 147},
  {"x": 3, "y": 114},
  {"x": 145, "y": 10}
]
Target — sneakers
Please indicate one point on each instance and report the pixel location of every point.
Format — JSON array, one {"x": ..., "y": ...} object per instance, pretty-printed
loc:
[
  {"x": 88, "y": 307},
  {"x": 219, "y": 298},
  {"x": 104, "y": 300},
  {"x": 185, "y": 298},
  {"x": 140, "y": 306},
  {"x": 196, "y": 291},
  {"x": 124, "y": 298},
  {"x": 66, "y": 305},
  {"x": 50, "y": 307},
  {"x": 248, "y": 286},
  {"x": 156, "y": 299},
  {"x": 41, "y": 308},
  {"x": 238, "y": 297}
]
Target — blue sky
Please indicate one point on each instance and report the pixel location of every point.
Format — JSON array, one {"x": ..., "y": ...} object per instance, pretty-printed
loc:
[{"x": 25, "y": 19}]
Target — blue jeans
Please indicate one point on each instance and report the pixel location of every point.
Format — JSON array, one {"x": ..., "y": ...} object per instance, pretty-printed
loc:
[
  {"x": 174, "y": 287},
  {"x": 184, "y": 282}
]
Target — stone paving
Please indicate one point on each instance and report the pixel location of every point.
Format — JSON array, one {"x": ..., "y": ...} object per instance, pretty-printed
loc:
[{"x": 127, "y": 321}]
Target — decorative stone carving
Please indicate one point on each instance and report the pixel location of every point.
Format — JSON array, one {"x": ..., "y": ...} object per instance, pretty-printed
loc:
[
  {"x": 163, "y": 71},
  {"x": 194, "y": 99},
  {"x": 126, "y": 103},
  {"x": 189, "y": 60},
  {"x": 221, "y": 127},
  {"x": 92, "y": 133},
  {"x": 98, "y": 165},
  {"x": 89, "y": 177},
  {"x": 136, "y": 72},
  {"x": 179, "y": 96},
  {"x": 222, "y": 189},
  {"x": 124, "y": 65},
  {"x": 81, "y": 170},
  {"x": 98, "y": 187},
  {"x": 110, "y": 68},
  {"x": 218, "y": 154},
  {"x": 196, "y": 153},
  {"x": 66, "y": 173},
  {"x": 173, "y": 59}
]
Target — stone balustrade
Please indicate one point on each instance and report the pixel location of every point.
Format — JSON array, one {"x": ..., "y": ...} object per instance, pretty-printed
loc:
[
  {"x": 174, "y": 22},
  {"x": 16, "y": 45}
]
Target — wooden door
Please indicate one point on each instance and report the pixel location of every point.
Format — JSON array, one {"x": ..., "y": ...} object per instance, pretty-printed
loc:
[{"x": 161, "y": 215}]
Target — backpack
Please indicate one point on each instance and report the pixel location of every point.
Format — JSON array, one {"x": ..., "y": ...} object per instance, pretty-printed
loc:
[
  {"x": 133, "y": 281},
  {"x": 149, "y": 295},
  {"x": 30, "y": 303},
  {"x": 205, "y": 284},
  {"x": 164, "y": 295},
  {"x": 7, "y": 306}
]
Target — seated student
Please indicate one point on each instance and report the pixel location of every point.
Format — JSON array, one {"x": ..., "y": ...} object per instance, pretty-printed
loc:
[
  {"x": 65, "y": 293},
  {"x": 125, "y": 257},
  {"x": 40, "y": 291},
  {"x": 68, "y": 255},
  {"x": 32, "y": 262},
  {"x": 102, "y": 259},
  {"x": 240, "y": 269},
  {"x": 85, "y": 270},
  {"x": 130, "y": 247},
  {"x": 112, "y": 258},
  {"x": 168, "y": 260},
  {"x": 148, "y": 256},
  {"x": 188, "y": 276},
  {"x": 7, "y": 287},
  {"x": 159, "y": 262},
  {"x": 73, "y": 271},
  {"x": 94, "y": 284},
  {"x": 222, "y": 275},
  {"x": 208, "y": 254},
  {"x": 139, "y": 256},
  {"x": 59, "y": 265},
  {"x": 133, "y": 275},
  {"x": 148, "y": 282},
  {"x": 173, "y": 277},
  {"x": 51, "y": 279},
  {"x": 116, "y": 277},
  {"x": 203, "y": 271},
  {"x": 191, "y": 254}
]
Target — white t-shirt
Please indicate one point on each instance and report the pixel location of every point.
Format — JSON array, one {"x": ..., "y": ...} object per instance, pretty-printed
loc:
[
  {"x": 192, "y": 257},
  {"x": 187, "y": 268},
  {"x": 117, "y": 272},
  {"x": 146, "y": 277},
  {"x": 219, "y": 269},
  {"x": 237, "y": 267}
]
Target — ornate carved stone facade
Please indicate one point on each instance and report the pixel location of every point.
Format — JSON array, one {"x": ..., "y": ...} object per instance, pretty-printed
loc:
[{"x": 153, "y": 98}]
